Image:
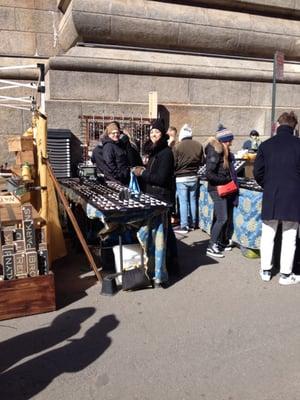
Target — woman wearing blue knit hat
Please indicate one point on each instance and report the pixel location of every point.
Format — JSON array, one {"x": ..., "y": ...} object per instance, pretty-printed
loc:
[{"x": 219, "y": 171}]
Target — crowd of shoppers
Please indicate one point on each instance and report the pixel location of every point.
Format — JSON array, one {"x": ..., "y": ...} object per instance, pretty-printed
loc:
[{"x": 171, "y": 172}]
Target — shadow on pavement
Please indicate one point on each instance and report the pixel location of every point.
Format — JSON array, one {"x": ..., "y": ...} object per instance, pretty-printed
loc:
[
  {"x": 73, "y": 277},
  {"x": 32, "y": 377},
  {"x": 62, "y": 327}
]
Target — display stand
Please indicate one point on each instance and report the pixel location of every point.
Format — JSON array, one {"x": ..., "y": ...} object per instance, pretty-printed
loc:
[{"x": 26, "y": 285}]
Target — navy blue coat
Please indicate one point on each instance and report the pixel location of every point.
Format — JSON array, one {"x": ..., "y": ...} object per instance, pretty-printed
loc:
[
  {"x": 277, "y": 170},
  {"x": 115, "y": 161}
]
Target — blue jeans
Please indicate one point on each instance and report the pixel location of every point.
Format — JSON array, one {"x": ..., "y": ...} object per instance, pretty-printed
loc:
[{"x": 188, "y": 200}]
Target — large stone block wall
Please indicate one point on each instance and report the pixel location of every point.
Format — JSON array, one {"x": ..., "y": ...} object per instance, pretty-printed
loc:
[
  {"x": 203, "y": 103},
  {"x": 274, "y": 7},
  {"x": 155, "y": 24},
  {"x": 200, "y": 91},
  {"x": 27, "y": 27}
]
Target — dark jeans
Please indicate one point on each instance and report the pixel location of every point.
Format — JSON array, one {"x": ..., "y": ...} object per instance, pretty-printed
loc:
[{"x": 222, "y": 228}]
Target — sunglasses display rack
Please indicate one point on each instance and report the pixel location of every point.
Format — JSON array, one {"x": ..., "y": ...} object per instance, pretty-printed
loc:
[
  {"x": 111, "y": 196},
  {"x": 250, "y": 184}
]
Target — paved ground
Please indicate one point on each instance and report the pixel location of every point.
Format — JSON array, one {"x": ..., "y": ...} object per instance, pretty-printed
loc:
[{"x": 219, "y": 333}]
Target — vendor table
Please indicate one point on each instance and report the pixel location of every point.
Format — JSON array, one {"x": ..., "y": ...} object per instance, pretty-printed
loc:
[
  {"x": 146, "y": 214},
  {"x": 246, "y": 216}
]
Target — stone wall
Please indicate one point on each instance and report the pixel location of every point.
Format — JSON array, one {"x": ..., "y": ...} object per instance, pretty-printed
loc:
[
  {"x": 202, "y": 90},
  {"x": 203, "y": 103},
  {"x": 27, "y": 32},
  {"x": 27, "y": 27},
  {"x": 163, "y": 25}
]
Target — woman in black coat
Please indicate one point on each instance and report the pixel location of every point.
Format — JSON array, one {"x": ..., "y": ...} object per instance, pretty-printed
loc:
[
  {"x": 115, "y": 161},
  {"x": 158, "y": 177},
  {"x": 219, "y": 171}
]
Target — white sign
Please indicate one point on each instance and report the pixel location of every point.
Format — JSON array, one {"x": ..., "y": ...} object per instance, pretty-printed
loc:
[{"x": 152, "y": 105}]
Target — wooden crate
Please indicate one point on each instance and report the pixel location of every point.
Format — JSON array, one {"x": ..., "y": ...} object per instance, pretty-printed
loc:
[
  {"x": 11, "y": 214},
  {"x": 20, "y": 143},
  {"x": 28, "y": 296}
]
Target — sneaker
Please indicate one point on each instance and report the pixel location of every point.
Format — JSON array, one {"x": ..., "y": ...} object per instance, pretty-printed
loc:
[
  {"x": 225, "y": 247},
  {"x": 265, "y": 275},
  {"x": 214, "y": 251},
  {"x": 184, "y": 230},
  {"x": 194, "y": 227},
  {"x": 291, "y": 279}
]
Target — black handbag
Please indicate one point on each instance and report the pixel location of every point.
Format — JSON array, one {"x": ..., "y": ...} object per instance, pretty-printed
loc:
[{"x": 135, "y": 278}]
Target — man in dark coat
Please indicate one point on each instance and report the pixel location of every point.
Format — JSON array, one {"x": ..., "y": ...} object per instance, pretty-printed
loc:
[{"x": 277, "y": 170}]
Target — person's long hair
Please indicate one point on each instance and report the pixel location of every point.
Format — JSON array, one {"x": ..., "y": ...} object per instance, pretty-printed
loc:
[{"x": 225, "y": 156}]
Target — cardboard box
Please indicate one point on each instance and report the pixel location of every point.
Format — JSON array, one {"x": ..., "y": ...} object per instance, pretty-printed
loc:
[{"x": 20, "y": 143}]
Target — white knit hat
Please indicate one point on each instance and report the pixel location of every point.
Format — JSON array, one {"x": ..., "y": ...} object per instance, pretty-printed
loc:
[{"x": 185, "y": 132}]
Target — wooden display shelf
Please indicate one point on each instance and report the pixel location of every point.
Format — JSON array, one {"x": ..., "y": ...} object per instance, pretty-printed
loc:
[{"x": 28, "y": 296}]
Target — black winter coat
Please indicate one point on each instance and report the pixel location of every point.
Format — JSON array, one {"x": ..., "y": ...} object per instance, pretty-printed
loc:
[
  {"x": 159, "y": 172},
  {"x": 133, "y": 155},
  {"x": 277, "y": 170},
  {"x": 115, "y": 161},
  {"x": 97, "y": 157},
  {"x": 216, "y": 174}
]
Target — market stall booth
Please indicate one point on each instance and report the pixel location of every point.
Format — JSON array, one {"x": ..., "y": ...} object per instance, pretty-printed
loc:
[{"x": 119, "y": 209}]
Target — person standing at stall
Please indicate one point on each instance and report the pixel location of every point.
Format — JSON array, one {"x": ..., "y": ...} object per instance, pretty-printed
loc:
[
  {"x": 253, "y": 143},
  {"x": 277, "y": 170},
  {"x": 114, "y": 156},
  {"x": 219, "y": 171},
  {"x": 172, "y": 133},
  {"x": 188, "y": 156},
  {"x": 158, "y": 176}
]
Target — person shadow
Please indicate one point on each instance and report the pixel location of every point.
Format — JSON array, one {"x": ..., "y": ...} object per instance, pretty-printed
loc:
[
  {"x": 31, "y": 377},
  {"x": 62, "y": 327}
]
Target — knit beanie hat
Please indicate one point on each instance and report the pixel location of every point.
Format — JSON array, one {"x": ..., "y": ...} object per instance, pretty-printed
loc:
[
  {"x": 112, "y": 127},
  {"x": 223, "y": 134},
  {"x": 158, "y": 124},
  {"x": 185, "y": 132}
]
